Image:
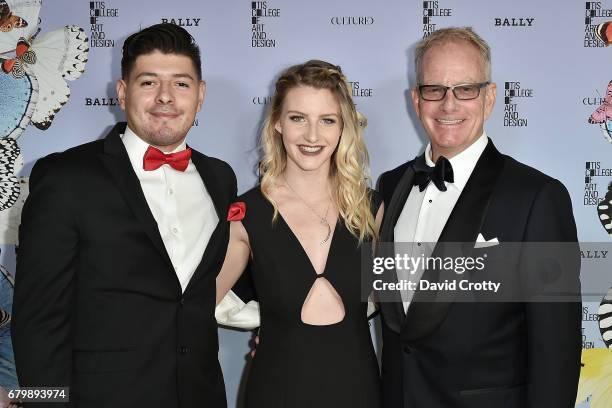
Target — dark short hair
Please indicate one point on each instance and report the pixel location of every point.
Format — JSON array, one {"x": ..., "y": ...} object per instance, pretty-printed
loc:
[{"x": 166, "y": 38}]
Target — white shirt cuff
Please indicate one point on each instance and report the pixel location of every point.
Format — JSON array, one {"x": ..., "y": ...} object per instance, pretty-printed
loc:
[{"x": 233, "y": 312}]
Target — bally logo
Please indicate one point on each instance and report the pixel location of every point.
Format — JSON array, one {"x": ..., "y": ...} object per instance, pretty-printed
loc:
[
  {"x": 594, "y": 254},
  {"x": 514, "y": 22},
  {"x": 183, "y": 22},
  {"x": 101, "y": 102}
]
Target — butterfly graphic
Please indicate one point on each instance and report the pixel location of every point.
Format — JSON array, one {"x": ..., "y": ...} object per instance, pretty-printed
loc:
[
  {"x": 13, "y": 190},
  {"x": 604, "y": 112},
  {"x": 8, "y": 20},
  {"x": 11, "y": 218},
  {"x": 15, "y": 66},
  {"x": 7, "y": 282},
  {"x": 604, "y": 210},
  {"x": 9, "y": 183},
  {"x": 18, "y": 18},
  {"x": 604, "y": 32},
  {"x": 596, "y": 377},
  {"x": 51, "y": 58},
  {"x": 11, "y": 161},
  {"x": 605, "y": 319},
  {"x": 596, "y": 372},
  {"x": 18, "y": 97},
  {"x": 5, "y": 318}
]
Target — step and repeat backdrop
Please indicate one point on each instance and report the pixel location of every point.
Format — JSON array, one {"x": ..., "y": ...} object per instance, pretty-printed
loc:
[{"x": 551, "y": 62}]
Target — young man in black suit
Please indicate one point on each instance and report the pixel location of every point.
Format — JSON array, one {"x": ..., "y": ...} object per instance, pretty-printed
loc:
[
  {"x": 120, "y": 243},
  {"x": 473, "y": 354}
]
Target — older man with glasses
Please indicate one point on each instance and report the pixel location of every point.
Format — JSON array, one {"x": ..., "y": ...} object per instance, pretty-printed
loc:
[{"x": 511, "y": 353}]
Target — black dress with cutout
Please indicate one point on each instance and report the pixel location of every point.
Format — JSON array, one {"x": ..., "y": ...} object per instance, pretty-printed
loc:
[{"x": 298, "y": 365}]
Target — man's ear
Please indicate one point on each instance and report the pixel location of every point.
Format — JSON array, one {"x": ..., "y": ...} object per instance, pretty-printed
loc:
[
  {"x": 121, "y": 87},
  {"x": 201, "y": 94},
  {"x": 416, "y": 100}
]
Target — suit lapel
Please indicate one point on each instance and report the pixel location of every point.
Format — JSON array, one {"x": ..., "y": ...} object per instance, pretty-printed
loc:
[
  {"x": 393, "y": 308},
  {"x": 117, "y": 162},
  {"x": 467, "y": 217},
  {"x": 463, "y": 225},
  {"x": 213, "y": 252},
  {"x": 396, "y": 205}
]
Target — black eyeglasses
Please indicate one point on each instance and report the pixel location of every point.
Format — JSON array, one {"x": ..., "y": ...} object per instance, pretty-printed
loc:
[{"x": 463, "y": 92}]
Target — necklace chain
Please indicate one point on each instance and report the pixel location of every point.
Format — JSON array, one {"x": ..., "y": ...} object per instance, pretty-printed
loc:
[{"x": 322, "y": 220}]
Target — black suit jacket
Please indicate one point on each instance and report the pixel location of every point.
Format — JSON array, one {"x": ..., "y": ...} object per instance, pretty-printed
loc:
[
  {"x": 476, "y": 354},
  {"x": 98, "y": 306}
]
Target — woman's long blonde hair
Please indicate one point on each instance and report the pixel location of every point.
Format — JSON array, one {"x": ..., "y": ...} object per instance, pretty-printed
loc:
[{"x": 349, "y": 163}]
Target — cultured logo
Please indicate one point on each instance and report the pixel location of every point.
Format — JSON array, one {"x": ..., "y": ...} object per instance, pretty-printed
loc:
[
  {"x": 355, "y": 21},
  {"x": 593, "y": 101},
  {"x": 602, "y": 116},
  {"x": 262, "y": 100},
  {"x": 98, "y": 11}
]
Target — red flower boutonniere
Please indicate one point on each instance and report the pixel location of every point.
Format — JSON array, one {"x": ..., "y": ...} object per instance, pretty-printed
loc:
[{"x": 236, "y": 211}]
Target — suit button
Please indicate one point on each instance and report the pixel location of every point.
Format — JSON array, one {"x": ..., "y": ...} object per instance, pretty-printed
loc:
[
  {"x": 182, "y": 301},
  {"x": 407, "y": 350},
  {"x": 183, "y": 350}
]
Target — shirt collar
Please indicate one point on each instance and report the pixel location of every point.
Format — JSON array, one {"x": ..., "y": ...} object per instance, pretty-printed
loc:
[
  {"x": 136, "y": 147},
  {"x": 464, "y": 162}
]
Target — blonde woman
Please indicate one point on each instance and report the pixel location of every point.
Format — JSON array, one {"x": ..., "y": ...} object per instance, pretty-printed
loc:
[{"x": 302, "y": 230}]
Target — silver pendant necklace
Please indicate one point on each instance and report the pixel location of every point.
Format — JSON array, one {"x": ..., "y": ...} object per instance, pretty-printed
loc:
[{"x": 322, "y": 220}]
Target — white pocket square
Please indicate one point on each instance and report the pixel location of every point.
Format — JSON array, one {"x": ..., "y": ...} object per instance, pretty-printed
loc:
[{"x": 481, "y": 242}]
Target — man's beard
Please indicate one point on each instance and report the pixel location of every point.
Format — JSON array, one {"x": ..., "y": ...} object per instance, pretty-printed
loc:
[{"x": 164, "y": 136}]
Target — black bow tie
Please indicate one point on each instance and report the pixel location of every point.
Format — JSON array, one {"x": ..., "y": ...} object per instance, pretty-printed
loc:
[{"x": 439, "y": 174}]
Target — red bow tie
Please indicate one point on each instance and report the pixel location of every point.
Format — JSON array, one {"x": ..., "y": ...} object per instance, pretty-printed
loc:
[{"x": 155, "y": 158}]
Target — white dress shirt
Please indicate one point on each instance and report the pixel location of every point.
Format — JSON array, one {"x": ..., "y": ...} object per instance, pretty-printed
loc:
[
  {"x": 425, "y": 212},
  {"x": 180, "y": 204}
]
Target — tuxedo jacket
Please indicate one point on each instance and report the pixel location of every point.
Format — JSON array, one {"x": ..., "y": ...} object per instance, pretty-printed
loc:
[
  {"x": 477, "y": 354},
  {"x": 98, "y": 306}
]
